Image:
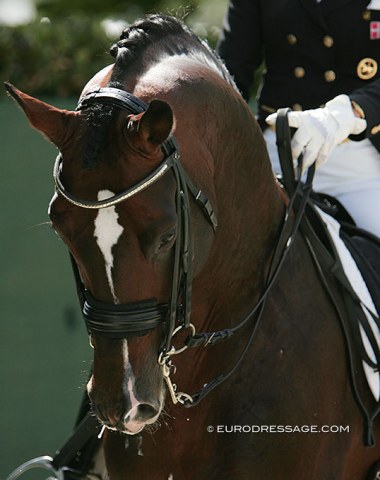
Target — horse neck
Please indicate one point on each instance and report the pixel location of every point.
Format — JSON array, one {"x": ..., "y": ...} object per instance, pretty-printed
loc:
[
  {"x": 250, "y": 212},
  {"x": 224, "y": 152}
]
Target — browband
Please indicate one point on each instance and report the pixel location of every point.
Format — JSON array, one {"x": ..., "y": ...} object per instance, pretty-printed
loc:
[
  {"x": 114, "y": 96},
  {"x": 146, "y": 182}
]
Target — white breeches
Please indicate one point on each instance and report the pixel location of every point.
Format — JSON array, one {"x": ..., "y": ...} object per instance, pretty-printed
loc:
[{"x": 351, "y": 174}]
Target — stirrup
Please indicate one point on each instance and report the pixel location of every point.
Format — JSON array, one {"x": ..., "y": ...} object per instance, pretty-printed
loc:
[{"x": 44, "y": 462}]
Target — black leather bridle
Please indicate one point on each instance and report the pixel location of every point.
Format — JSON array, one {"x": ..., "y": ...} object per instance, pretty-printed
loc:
[{"x": 136, "y": 319}]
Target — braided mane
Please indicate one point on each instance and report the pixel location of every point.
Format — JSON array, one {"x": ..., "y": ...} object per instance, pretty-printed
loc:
[
  {"x": 148, "y": 40},
  {"x": 142, "y": 45},
  {"x": 151, "y": 29}
]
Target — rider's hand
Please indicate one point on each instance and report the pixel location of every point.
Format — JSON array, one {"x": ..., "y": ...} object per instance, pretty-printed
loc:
[{"x": 320, "y": 130}]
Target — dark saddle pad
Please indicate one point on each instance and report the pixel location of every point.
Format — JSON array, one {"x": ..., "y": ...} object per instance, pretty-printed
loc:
[{"x": 363, "y": 246}]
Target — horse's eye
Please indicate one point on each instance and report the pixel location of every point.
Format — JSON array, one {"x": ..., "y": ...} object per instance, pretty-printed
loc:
[{"x": 166, "y": 239}]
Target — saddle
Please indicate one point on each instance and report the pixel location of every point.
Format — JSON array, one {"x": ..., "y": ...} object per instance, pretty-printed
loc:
[{"x": 365, "y": 251}]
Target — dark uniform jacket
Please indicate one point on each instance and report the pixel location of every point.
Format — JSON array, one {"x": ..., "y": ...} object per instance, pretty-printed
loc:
[{"x": 312, "y": 53}]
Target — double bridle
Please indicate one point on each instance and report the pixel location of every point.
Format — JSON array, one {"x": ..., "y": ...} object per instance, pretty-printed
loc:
[
  {"x": 139, "y": 318},
  {"x": 136, "y": 319}
]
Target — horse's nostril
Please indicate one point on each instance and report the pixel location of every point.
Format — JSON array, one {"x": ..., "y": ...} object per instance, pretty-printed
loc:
[
  {"x": 110, "y": 417},
  {"x": 145, "y": 412}
]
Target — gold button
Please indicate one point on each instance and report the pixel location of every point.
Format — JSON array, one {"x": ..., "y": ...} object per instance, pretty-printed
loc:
[
  {"x": 292, "y": 39},
  {"x": 299, "y": 72},
  {"x": 328, "y": 41},
  {"x": 330, "y": 75},
  {"x": 366, "y": 15},
  {"x": 297, "y": 107},
  {"x": 367, "y": 68},
  {"x": 375, "y": 129}
]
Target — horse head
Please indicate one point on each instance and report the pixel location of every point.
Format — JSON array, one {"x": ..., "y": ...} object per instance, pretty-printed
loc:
[
  {"x": 124, "y": 253},
  {"x": 139, "y": 244}
]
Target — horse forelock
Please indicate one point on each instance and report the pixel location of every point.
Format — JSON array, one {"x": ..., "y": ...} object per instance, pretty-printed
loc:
[{"x": 100, "y": 118}]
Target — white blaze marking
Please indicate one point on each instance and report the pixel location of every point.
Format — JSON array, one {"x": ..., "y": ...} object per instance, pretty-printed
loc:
[
  {"x": 128, "y": 371},
  {"x": 132, "y": 397},
  {"x": 107, "y": 232},
  {"x": 127, "y": 365}
]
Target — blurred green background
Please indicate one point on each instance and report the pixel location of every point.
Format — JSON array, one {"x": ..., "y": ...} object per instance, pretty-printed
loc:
[
  {"x": 67, "y": 41},
  {"x": 44, "y": 352}
]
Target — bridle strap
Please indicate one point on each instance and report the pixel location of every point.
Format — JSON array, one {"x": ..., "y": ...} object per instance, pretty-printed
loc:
[
  {"x": 170, "y": 149},
  {"x": 202, "y": 200},
  {"x": 121, "y": 321},
  {"x": 153, "y": 177},
  {"x": 182, "y": 270},
  {"x": 114, "y": 96}
]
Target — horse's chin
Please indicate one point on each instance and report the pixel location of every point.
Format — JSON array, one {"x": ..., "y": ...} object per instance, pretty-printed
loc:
[
  {"x": 133, "y": 428},
  {"x": 130, "y": 430}
]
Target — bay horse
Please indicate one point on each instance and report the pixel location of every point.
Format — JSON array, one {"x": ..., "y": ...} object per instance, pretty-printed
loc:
[{"x": 167, "y": 202}]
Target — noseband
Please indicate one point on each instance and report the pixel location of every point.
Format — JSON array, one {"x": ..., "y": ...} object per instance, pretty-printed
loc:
[
  {"x": 139, "y": 318},
  {"x": 121, "y": 321}
]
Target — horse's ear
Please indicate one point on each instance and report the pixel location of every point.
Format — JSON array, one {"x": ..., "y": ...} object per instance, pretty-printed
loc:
[
  {"x": 151, "y": 128},
  {"x": 51, "y": 121}
]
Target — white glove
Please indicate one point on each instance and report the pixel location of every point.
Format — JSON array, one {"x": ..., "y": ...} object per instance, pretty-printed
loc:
[{"x": 320, "y": 130}]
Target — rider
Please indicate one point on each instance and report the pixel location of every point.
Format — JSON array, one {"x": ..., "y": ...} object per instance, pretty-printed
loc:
[{"x": 322, "y": 60}]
